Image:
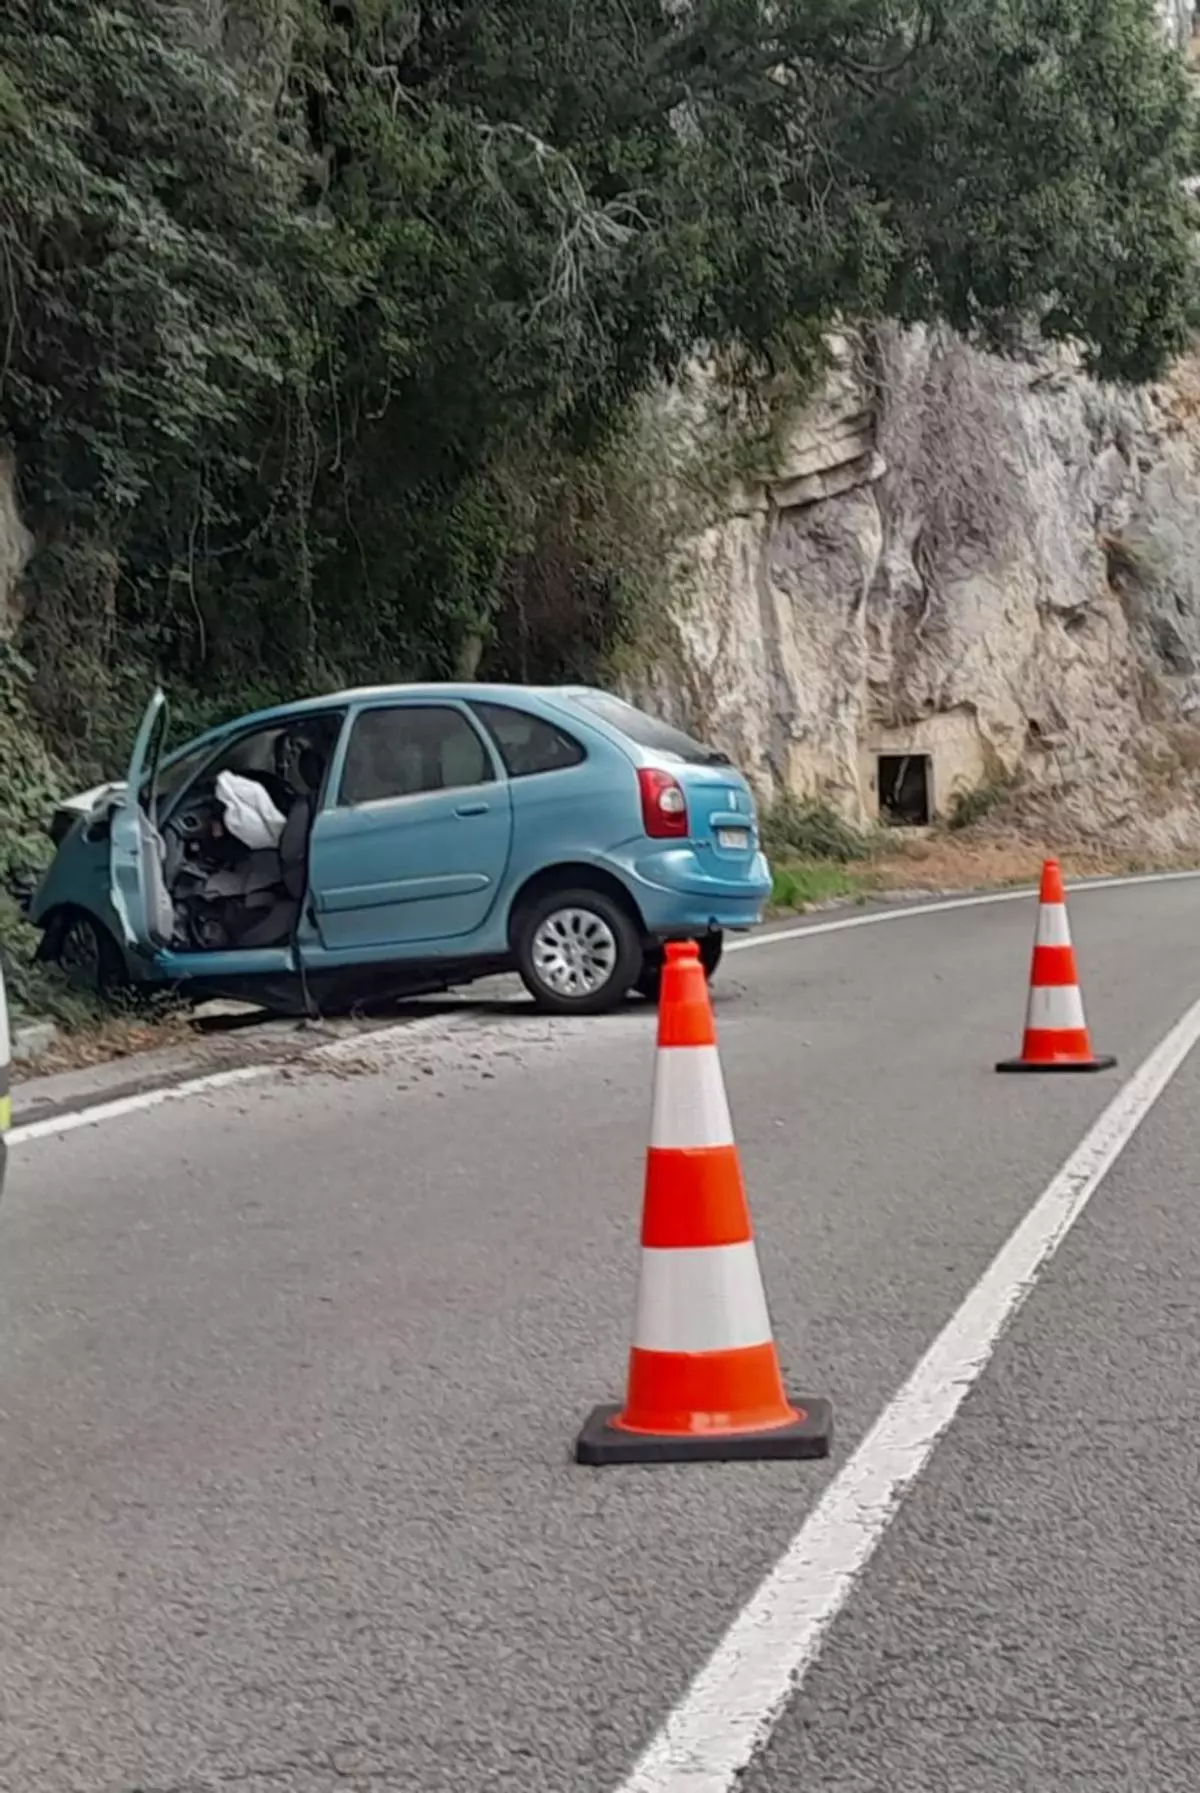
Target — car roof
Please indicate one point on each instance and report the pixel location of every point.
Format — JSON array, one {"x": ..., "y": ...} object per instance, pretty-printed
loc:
[{"x": 460, "y": 689}]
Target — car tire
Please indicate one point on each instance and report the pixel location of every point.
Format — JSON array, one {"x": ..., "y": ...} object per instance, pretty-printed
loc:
[
  {"x": 650, "y": 979},
  {"x": 577, "y": 951},
  {"x": 89, "y": 957}
]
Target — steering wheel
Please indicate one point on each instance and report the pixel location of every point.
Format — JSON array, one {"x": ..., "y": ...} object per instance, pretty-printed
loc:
[{"x": 193, "y": 819}]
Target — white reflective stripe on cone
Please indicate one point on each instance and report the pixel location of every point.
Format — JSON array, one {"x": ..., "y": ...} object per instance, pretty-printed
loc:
[
  {"x": 701, "y": 1298},
  {"x": 1053, "y": 928},
  {"x": 1055, "y": 1006},
  {"x": 690, "y": 1108}
]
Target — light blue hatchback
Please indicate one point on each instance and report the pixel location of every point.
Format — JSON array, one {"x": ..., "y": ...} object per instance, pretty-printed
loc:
[{"x": 427, "y": 835}]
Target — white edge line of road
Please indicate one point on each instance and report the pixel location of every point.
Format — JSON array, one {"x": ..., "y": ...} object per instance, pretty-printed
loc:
[
  {"x": 98, "y": 1112},
  {"x": 942, "y": 906},
  {"x": 120, "y": 1106},
  {"x": 728, "y": 1714}
]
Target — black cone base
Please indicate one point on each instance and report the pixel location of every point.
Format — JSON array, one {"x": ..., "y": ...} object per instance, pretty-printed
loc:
[
  {"x": 1103, "y": 1062},
  {"x": 600, "y": 1443}
]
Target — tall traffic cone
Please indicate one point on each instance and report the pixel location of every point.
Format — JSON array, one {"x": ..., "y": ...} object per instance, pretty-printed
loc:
[
  {"x": 704, "y": 1382},
  {"x": 1056, "y": 1035}
]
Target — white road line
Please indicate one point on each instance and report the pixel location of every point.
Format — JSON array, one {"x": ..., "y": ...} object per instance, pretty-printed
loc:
[
  {"x": 942, "y": 906},
  {"x": 730, "y": 1710},
  {"x": 348, "y": 1046},
  {"x": 121, "y": 1106}
]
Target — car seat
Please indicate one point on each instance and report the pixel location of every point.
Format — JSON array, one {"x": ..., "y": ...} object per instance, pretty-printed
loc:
[{"x": 271, "y": 910}]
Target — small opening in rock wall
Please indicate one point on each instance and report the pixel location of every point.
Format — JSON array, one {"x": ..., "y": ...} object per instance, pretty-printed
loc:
[{"x": 904, "y": 789}]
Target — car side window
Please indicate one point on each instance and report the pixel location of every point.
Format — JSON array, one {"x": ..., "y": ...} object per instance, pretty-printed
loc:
[
  {"x": 527, "y": 743},
  {"x": 412, "y": 748}
]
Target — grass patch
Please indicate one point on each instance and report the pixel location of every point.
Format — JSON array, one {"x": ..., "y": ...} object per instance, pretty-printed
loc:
[
  {"x": 801, "y": 885},
  {"x": 817, "y": 856}
]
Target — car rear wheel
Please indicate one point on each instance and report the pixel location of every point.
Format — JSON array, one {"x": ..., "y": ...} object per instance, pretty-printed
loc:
[
  {"x": 711, "y": 947},
  {"x": 577, "y": 951}
]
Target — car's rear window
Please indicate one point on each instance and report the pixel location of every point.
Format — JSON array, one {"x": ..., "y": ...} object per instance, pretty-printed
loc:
[
  {"x": 648, "y": 731},
  {"x": 528, "y": 744}
]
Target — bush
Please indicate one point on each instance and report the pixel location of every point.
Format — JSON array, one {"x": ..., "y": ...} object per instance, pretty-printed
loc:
[
  {"x": 799, "y": 828},
  {"x": 30, "y": 782},
  {"x": 969, "y": 807}
]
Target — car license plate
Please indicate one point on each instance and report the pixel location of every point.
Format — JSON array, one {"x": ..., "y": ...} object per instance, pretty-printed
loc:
[{"x": 737, "y": 839}]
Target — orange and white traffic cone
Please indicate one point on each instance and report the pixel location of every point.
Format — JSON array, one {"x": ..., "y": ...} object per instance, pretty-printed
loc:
[
  {"x": 704, "y": 1380},
  {"x": 1056, "y": 1034}
]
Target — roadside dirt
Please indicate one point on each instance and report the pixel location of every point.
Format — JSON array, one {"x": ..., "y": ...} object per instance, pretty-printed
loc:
[
  {"x": 948, "y": 862},
  {"x": 113, "y": 1037}
]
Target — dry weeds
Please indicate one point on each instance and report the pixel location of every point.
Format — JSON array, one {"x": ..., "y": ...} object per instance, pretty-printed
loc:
[
  {"x": 949, "y": 862},
  {"x": 109, "y": 1038}
]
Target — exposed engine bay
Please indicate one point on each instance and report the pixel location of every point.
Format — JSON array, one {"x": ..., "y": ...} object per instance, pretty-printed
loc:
[{"x": 234, "y": 852}]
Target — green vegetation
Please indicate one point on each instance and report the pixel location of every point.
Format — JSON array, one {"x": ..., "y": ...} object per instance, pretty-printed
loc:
[
  {"x": 806, "y": 885},
  {"x": 816, "y": 856},
  {"x": 325, "y": 324},
  {"x": 796, "y": 828},
  {"x": 969, "y": 807},
  {"x": 28, "y": 784}
]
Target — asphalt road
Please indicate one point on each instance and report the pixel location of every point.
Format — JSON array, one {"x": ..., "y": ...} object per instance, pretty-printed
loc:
[{"x": 290, "y": 1377}]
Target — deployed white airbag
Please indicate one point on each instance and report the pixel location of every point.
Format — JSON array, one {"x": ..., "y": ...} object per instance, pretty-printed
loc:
[{"x": 250, "y": 815}]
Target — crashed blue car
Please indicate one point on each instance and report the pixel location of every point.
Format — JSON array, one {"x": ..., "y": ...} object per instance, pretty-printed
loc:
[{"x": 400, "y": 839}]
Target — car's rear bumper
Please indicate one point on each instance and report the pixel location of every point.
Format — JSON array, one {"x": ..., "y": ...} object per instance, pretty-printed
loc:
[{"x": 679, "y": 895}]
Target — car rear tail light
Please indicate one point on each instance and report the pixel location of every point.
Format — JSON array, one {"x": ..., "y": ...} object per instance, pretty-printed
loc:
[{"x": 664, "y": 806}]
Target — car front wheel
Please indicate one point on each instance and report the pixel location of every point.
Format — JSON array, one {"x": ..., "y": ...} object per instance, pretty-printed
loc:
[
  {"x": 578, "y": 952},
  {"x": 89, "y": 957}
]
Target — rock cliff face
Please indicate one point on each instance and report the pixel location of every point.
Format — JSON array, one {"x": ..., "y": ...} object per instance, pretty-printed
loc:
[
  {"x": 963, "y": 576},
  {"x": 963, "y": 571}
]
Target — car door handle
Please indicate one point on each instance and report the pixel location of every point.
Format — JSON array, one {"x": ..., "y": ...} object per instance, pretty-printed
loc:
[{"x": 472, "y": 809}]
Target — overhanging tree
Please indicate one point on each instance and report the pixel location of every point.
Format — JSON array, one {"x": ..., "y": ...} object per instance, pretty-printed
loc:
[{"x": 283, "y": 342}]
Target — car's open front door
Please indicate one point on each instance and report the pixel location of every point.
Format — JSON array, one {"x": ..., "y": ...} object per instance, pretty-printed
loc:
[{"x": 139, "y": 893}]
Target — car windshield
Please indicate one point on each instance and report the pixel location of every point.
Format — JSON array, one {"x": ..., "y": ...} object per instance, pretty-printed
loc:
[
  {"x": 179, "y": 773},
  {"x": 253, "y": 754},
  {"x": 648, "y": 731}
]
